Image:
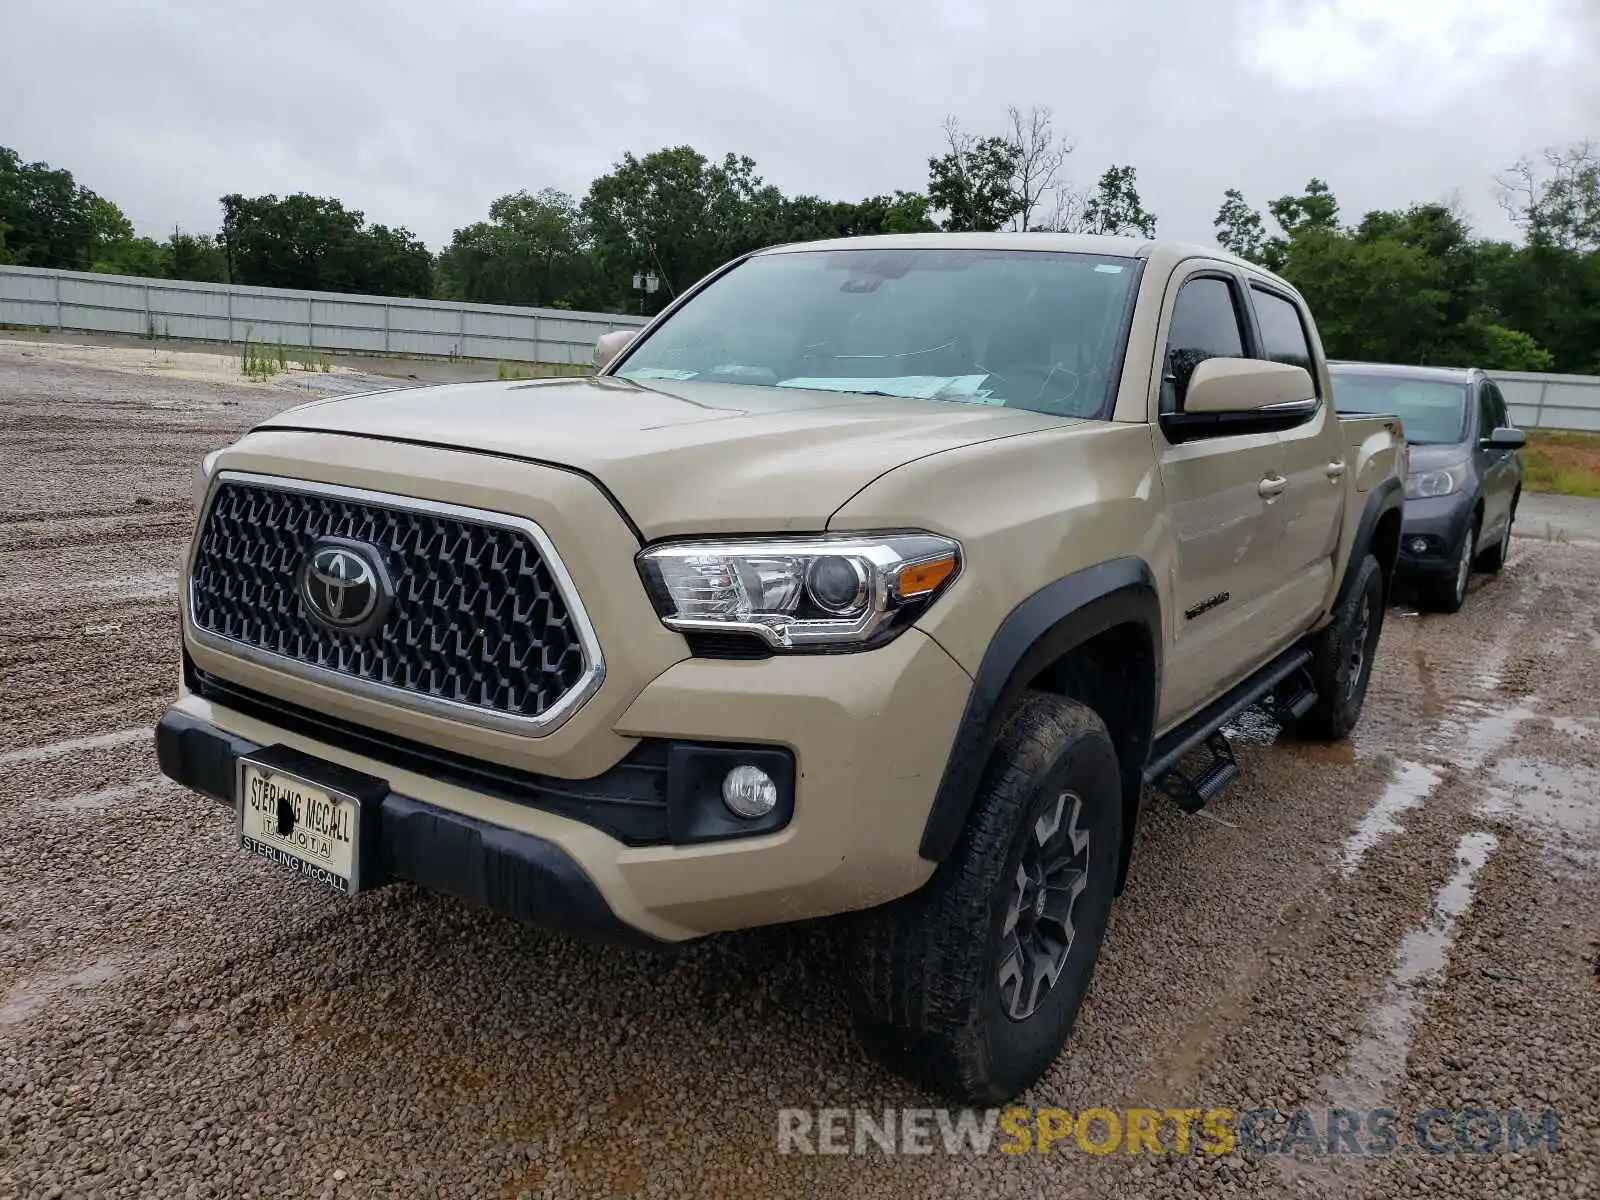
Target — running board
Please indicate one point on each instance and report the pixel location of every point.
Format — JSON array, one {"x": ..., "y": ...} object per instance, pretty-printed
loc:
[
  {"x": 1204, "y": 729},
  {"x": 1193, "y": 792},
  {"x": 1294, "y": 698}
]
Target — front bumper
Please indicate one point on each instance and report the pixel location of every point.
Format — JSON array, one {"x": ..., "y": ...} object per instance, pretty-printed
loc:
[
  {"x": 517, "y": 874},
  {"x": 867, "y": 734},
  {"x": 1432, "y": 530}
]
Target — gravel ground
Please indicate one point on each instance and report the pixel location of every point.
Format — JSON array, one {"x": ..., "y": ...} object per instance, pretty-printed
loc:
[
  {"x": 1409, "y": 920},
  {"x": 1559, "y": 518}
]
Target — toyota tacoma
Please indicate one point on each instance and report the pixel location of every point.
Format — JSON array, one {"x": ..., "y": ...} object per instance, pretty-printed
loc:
[{"x": 879, "y": 579}]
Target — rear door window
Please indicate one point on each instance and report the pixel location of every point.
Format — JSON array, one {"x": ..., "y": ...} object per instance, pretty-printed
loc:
[{"x": 1283, "y": 332}]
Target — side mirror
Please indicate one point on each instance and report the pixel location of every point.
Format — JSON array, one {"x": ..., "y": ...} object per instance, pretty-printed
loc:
[
  {"x": 1506, "y": 438},
  {"x": 1241, "y": 385},
  {"x": 609, "y": 345}
]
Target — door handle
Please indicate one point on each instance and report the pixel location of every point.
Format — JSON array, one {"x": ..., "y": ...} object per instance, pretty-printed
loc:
[
  {"x": 1271, "y": 486},
  {"x": 1335, "y": 471}
]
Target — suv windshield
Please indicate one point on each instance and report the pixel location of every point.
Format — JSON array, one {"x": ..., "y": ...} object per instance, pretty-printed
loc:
[
  {"x": 1433, "y": 413},
  {"x": 1027, "y": 329}
]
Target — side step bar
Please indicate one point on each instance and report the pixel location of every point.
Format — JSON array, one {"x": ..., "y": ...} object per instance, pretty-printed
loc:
[
  {"x": 1204, "y": 729},
  {"x": 1193, "y": 792},
  {"x": 1294, "y": 698}
]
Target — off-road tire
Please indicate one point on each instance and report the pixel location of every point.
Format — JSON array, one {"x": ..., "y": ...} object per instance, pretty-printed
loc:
[
  {"x": 924, "y": 971},
  {"x": 1446, "y": 592},
  {"x": 1491, "y": 560},
  {"x": 1341, "y": 662}
]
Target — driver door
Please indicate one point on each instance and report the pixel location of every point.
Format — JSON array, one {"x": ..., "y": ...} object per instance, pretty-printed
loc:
[
  {"x": 1496, "y": 468},
  {"x": 1219, "y": 488}
]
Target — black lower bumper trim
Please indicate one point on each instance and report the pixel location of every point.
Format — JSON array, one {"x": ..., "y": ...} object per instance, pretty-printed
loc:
[
  {"x": 662, "y": 793},
  {"x": 522, "y": 876}
]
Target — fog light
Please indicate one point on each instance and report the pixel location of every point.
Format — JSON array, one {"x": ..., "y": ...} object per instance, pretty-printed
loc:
[
  {"x": 1418, "y": 545},
  {"x": 749, "y": 792}
]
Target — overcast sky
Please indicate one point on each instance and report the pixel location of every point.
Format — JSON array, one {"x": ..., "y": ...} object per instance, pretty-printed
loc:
[{"x": 420, "y": 113}]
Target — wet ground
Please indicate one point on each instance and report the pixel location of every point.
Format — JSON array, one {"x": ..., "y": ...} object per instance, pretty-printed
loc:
[{"x": 1409, "y": 921}]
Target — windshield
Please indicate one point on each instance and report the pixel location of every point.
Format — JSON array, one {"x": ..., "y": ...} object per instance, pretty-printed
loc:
[
  {"x": 1433, "y": 413},
  {"x": 1028, "y": 329}
]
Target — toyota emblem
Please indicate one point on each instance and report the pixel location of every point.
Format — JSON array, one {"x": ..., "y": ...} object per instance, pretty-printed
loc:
[{"x": 344, "y": 586}]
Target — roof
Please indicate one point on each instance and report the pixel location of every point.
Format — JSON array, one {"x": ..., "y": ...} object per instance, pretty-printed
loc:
[
  {"x": 1401, "y": 370},
  {"x": 1066, "y": 243}
]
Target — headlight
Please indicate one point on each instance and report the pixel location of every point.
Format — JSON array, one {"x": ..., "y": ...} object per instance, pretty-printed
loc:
[
  {"x": 831, "y": 592},
  {"x": 202, "y": 479},
  {"x": 1427, "y": 484}
]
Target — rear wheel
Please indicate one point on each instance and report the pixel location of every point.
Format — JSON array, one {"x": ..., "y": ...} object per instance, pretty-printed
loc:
[
  {"x": 971, "y": 985},
  {"x": 1446, "y": 593},
  {"x": 1341, "y": 661}
]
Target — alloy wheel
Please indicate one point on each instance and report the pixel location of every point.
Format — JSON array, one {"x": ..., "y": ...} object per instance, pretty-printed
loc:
[
  {"x": 1039, "y": 927},
  {"x": 1464, "y": 567},
  {"x": 1358, "y": 647}
]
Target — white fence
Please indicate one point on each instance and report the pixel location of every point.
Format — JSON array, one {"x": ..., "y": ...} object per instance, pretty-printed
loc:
[
  {"x": 1551, "y": 401},
  {"x": 218, "y": 312}
]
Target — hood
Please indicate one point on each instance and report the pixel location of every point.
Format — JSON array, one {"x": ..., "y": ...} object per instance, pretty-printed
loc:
[
  {"x": 681, "y": 457},
  {"x": 1437, "y": 458}
]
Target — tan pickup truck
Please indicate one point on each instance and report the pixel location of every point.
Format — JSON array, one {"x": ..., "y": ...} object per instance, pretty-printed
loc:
[{"x": 881, "y": 578}]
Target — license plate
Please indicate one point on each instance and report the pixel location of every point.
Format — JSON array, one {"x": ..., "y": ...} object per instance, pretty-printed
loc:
[{"x": 300, "y": 825}]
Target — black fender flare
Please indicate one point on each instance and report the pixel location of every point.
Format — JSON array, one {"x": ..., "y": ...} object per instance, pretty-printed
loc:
[
  {"x": 1388, "y": 496},
  {"x": 1038, "y": 632}
]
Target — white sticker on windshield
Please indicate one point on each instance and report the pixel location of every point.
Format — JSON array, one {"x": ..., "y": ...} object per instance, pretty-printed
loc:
[{"x": 1108, "y": 269}]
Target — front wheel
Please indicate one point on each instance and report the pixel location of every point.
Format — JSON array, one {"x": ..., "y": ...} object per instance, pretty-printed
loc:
[
  {"x": 1446, "y": 593},
  {"x": 1341, "y": 658},
  {"x": 1490, "y": 561},
  {"x": 971, "y": 985}
]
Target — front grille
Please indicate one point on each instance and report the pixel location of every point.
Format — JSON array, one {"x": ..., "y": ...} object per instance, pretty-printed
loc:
[{"x": 478, "y": 621}]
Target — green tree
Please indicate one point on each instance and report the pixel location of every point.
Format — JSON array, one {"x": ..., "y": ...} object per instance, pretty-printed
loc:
[
  {"x": 1443, "y": 236},
  {"x": 811, "y": 218},
  {"x": 677, "y": 214},
  {"x": 1004, "y": 181},
  {"x": 1376, "y": 301},
  {"x": 1380, "y": 292},
  {"x": 974, "y": 182},
  {"x": 135, "y": 256},
  {"x": 903, "y": 212},
  {"x": 1115, "y": 207},
  {"x": 314, "y": 242},
  {"x": 1550, "y": 293},
  {"x": 533, "y": 249},
  {"x": 47, "y": 219},
  {"x": 1240, "y": 229},
  {"x": 1556, "y": 202},
  {"x": 1511, "y": 350},
  {"x": 196, "y": 257},
  {"x": 1316, "y": 208},
  {"x": 1408, "y": 285}
]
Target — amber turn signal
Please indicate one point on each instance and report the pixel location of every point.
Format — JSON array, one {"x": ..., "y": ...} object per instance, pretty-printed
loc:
[{"x": 919, "y": 579}]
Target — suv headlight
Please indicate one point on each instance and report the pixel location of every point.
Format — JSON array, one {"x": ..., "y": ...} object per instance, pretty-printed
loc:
[
  {"x": 1427, "y": 484},
  {"x": 829, "y": 592}
]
